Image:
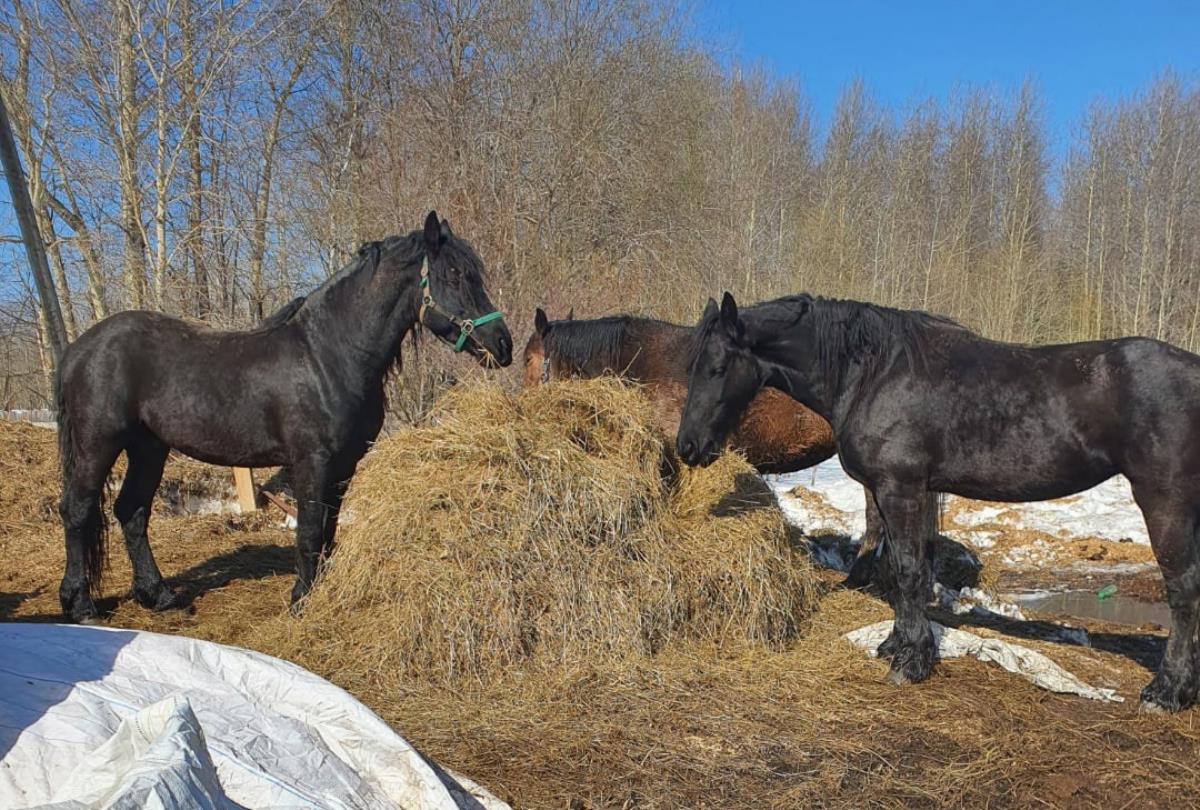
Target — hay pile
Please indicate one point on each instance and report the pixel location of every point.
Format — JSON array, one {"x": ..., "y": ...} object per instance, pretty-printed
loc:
[
  {"x": 28, "y": 473},
  {"x": 548, "y": 527}
]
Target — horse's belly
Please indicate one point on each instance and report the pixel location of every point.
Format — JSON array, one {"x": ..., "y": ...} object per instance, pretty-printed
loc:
[
  {"x": 1016, "y": 482},
  {"x": 232, "y": 438}
]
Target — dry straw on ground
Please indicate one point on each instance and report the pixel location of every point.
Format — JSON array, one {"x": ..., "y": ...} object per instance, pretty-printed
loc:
[{"x": 547, "y": 527}]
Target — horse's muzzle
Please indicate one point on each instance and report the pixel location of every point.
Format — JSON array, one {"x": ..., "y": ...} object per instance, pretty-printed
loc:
[
  {"x": 696, "y": 455},
  {"x": 494, "y": 353}
]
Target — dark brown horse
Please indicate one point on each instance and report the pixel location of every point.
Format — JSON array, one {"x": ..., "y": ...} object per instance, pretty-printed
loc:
[
  {"x": 776, "y": 433},
  {"x": 303, "y": 390}
]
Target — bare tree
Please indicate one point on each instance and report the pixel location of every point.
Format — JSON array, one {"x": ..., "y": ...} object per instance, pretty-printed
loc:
[{"x": 10, "y": 161}]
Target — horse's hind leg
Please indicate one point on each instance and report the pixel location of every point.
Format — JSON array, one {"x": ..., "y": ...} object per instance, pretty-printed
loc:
[
  {"x": 147, "y": 457},
  {"x": 1175, "y": 538},
  {"x": 84, "y": 529},
  {"x": 911, "y": 645}
]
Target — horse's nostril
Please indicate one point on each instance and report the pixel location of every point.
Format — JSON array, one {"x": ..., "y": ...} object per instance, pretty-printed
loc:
[{"x": 688, "y": 449}]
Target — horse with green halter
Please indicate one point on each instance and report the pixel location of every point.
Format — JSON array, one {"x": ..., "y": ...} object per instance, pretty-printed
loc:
[{"x": 466, "y": 326}]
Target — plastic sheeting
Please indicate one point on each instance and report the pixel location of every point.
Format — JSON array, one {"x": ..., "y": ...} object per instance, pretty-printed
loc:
[
  {"x": 1029, "y": 664},
  {"x": 92, "y": 718}
]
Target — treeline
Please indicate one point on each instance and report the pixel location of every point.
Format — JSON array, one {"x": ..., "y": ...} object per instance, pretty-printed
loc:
[{"x": 214, "y": 159}]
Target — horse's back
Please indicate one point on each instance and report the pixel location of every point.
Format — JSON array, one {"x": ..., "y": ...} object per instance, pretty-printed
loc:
[
  {"x": 1011, "y": 422},
  {"x": 191, "y": 386}
]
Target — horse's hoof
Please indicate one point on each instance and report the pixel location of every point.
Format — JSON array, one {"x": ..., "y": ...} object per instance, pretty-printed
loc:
[
  {"x": 170, "y": 600},
  {"x": 90, "y": 620},
  {"x": 1166, "y": 695},
  {"x": 912, "y": 663},
  {"x": 159, "y": 598}
]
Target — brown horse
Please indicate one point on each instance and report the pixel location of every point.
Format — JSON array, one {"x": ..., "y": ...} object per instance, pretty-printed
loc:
[{"x": 776, "y": 434}]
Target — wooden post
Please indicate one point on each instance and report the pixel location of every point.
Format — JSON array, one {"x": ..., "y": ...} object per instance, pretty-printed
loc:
[{"x": 243, "y": 481}]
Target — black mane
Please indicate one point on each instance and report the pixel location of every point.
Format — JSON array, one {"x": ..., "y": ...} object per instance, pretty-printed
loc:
[
  {"x": 856, "y": 333},
  {"x": 598, "y": 343},
  {"x": 870, "y": 335},
  {"x": 283, "y": 314}
]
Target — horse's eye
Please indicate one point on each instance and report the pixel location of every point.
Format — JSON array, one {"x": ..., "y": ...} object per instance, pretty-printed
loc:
[{"x": 718, "y": 371}]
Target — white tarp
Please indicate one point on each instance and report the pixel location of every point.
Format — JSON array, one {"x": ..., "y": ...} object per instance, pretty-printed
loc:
[
  {"x": 97, "y": 718},
  {"x": 1029, "y": 664}
]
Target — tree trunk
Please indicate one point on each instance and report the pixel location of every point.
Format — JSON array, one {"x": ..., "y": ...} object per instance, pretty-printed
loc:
[
  {"x": 192, "y": 134},
  {"x": 56, "y": 332},
  {"x": 131, "y": 198}
]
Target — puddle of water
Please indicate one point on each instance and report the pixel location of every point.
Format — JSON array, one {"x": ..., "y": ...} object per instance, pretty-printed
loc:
[{"x": 1117, "y": 609}]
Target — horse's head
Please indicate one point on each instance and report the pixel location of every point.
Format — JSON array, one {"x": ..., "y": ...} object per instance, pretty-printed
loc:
[
  {"x": 455, "y": 305},
  {"x": 723, "y": 379},
  {"x": 540, "y": 365}
]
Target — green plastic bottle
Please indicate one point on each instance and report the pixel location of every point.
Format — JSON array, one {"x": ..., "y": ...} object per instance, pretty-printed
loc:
[{"x": 1105, "y": 592}]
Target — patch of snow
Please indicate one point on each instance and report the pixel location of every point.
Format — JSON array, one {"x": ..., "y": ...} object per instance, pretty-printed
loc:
[
  {"x": 1115, "y": 568},
  {"x": 846, "y": 504},
  {"x": 975, "y": 602},
  {"x": 979, "y": 538},
  {"x": 1106, "y": 511}
]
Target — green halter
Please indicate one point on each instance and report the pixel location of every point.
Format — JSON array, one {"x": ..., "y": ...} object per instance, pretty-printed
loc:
[{"x": 466, "y": 326}]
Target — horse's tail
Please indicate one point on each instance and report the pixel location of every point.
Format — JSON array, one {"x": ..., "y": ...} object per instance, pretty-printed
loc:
[{"x": 95, "y": 533}]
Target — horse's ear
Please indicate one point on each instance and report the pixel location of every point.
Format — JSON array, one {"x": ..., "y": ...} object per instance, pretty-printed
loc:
[
  {"x": 432, "y": 235},
  {"x": 710, "y": 309},
  {"x": 729, "y": 310},
  {"x": 540, "y": 322},
  {"x": 570, "y": 314},
  {"x": 446, "y": 233},
  {"x": 729, "y": 317}
]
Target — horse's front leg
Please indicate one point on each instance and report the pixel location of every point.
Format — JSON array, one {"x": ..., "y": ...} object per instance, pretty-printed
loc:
[
  {"x": 318, "y": 499},
  {"x": 911, "y": 645}
]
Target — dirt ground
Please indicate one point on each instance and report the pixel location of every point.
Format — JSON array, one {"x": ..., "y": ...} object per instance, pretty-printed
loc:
[{"x": 700, "y": 727}]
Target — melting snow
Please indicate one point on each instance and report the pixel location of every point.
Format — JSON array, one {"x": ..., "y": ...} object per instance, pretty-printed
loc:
[{"x": 1106, "y": 511}]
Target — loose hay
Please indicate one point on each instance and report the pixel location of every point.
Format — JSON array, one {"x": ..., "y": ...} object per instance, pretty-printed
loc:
[
  {"x": 28, "y": 473},
  {"x": 546, "y": 528}
]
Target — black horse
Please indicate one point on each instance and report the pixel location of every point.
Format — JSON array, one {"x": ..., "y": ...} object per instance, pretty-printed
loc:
[
  {"x": 920, "y": 404},
  {"x": 305, "y": 389}
]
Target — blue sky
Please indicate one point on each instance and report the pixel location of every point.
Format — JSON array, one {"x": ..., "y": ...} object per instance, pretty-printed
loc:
[{"x": 1073, "y": 51}]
